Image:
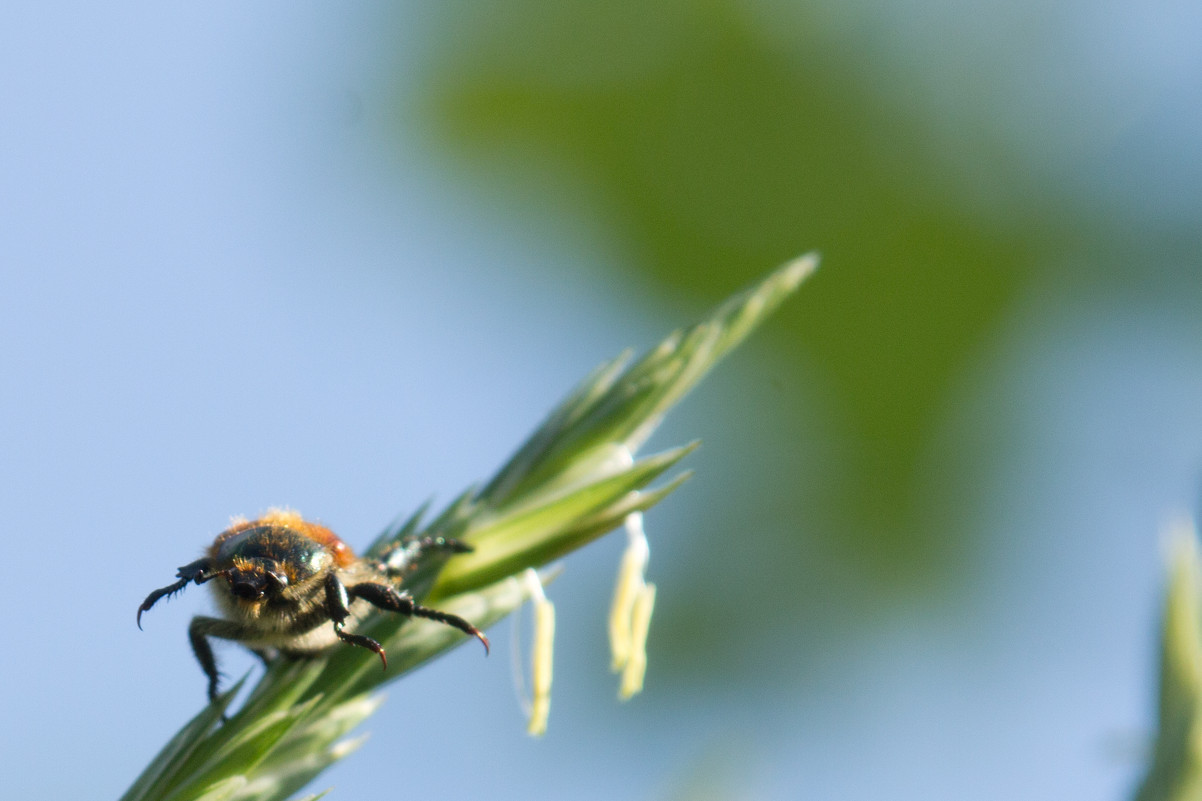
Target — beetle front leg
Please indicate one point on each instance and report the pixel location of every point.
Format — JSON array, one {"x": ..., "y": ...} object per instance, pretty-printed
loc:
[
  {"x": 197, "y": 571},
  {"x": 338, "y": 608}
]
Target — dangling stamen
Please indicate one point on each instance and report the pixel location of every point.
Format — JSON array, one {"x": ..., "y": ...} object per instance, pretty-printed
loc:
[
  {"x": 540, "y": 655},
  {"x": 630, "y": 614},
  {"x": 636, "y": 663},
  {"x": 628, "y": 587}
]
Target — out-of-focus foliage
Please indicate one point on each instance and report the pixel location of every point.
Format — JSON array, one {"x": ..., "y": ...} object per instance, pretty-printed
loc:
[
  {"x": 709, "y": 138},
  {"x": 710, "y": 149},
  {"x": 1176, "y": 770}
]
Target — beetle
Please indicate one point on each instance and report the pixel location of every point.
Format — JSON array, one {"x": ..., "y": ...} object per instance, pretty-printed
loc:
[{"x": 289, "y": 586}]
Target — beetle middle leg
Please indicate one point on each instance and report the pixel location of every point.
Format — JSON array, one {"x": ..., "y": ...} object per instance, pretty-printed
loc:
[
  {"x": 384, "y": 596},
  {"x": 199, "y": 630}
]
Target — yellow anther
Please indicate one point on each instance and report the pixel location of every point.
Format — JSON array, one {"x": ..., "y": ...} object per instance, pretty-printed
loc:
[
  {"x": 627, "y": 589},
  {"x": 630, "y": 613},
  {"x": 540, "y": 656},
  {"x": 636, "y": 662}
]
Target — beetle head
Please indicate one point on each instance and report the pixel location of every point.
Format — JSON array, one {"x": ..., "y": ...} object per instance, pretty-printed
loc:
[{"x": 256, "y": 579}]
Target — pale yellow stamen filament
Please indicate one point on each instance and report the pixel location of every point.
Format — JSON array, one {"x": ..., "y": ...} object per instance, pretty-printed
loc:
[
  {"x": 636, "y": 663},
  {"x": 630, "y": 614},
  {"x": 540, "y": 656}
]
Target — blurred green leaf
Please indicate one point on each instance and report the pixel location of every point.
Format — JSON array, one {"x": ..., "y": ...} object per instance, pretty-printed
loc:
[
  {"x": 1176, "y": 770},
  {"x": 711, "y": 140}
]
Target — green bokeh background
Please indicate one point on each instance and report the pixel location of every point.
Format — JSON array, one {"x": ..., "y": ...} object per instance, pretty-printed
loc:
[{"x": 710, "y": 140}]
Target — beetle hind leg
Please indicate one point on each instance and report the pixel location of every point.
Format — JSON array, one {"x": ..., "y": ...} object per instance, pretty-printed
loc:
[{"x": 403, "y": 556}]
